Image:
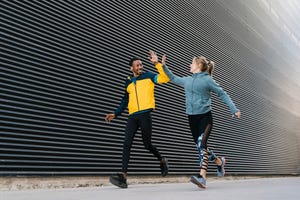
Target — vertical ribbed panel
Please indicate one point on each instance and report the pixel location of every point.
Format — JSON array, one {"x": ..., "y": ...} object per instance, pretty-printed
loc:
[{"x": 64, "y": 64}]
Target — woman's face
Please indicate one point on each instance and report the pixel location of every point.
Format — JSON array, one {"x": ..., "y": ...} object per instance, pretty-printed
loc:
[{"x": 194, "y": 67}]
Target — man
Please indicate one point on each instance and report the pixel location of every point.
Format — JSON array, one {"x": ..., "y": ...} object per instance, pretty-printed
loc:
[{"x": 139, "y": 98}]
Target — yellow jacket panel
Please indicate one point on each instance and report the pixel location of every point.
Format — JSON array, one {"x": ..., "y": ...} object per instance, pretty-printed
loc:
[{"x": 139, "y": 91}]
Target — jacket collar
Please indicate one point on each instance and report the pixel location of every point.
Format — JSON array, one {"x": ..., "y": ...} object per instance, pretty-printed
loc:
[{"x": 199, "y": 74}]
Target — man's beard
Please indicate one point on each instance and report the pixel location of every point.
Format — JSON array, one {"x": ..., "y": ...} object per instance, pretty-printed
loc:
[{"x": 139, "y": 72}]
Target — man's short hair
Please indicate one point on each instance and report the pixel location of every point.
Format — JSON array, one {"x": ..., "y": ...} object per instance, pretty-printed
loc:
[{"x": 132, "y": 60}]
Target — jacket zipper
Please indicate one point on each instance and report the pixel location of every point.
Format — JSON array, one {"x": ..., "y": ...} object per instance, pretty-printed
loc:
[{"x": 137, "y": 100}]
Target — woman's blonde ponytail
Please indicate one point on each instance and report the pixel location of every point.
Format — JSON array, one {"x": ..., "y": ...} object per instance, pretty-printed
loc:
[{"x": 211, "y": 66}]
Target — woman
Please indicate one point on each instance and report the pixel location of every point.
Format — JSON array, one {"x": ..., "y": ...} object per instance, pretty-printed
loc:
[{"x": 198, "y": 88}]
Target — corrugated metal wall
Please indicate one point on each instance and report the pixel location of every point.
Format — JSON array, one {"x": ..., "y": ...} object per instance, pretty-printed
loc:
[{"x": 64, "y": 63}]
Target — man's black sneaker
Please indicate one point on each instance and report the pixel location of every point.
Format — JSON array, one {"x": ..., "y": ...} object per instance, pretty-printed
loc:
[
  {"x": 164, "y": 166},
  {"x": 118, "y": 180}
]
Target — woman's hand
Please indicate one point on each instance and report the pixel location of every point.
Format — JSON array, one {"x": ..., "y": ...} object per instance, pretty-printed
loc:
[
  {"x": 163, "y": 59},
  {"x": 237, "y": 114}
]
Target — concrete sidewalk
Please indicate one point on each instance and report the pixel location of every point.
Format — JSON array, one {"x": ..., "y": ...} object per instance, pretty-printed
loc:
[{"x": 248, "y": 189}]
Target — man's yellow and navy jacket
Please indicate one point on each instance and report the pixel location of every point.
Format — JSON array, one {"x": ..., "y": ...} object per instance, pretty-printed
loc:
[{"x": 139, "y": 91}]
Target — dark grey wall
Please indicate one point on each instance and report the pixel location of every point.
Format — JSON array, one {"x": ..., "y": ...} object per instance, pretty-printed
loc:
[{"x": 64, "y": 63}]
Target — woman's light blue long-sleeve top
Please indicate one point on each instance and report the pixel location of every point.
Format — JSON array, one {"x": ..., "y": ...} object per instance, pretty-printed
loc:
[{"x": 198, "y": 88}]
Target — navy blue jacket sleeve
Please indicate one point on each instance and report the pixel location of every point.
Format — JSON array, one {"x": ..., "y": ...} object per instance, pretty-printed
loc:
[
  {"x": 123, "y": 105},
  {"x": 124, "y": 102}
]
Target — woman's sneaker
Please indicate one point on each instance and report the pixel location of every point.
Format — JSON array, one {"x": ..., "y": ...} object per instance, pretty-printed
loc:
[
  {"x": 164, "y": 167},
  {"x": 221, "y": 168},
  {"x": 118, "y": 180},
  {"x": 199, "y": 181}
]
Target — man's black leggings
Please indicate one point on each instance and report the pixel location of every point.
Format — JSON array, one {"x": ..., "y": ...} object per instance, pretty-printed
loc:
[{"x": 144, "y": 121}]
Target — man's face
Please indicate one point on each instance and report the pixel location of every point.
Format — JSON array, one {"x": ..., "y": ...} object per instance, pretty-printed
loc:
[{"x": 137, "y": 67}]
